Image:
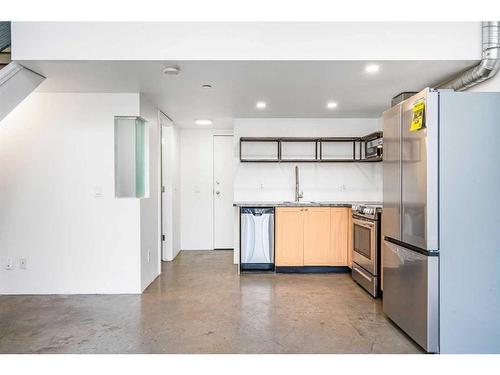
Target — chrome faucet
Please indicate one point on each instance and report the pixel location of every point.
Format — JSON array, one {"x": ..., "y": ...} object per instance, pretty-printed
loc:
[{"x": 298, "y": 193}]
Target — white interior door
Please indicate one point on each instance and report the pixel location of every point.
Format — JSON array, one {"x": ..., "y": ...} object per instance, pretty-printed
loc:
[
  {"x": 168, "y": 188},
  {"x": 166, "y": 202},
  {"x": 170, "y": 196},
  {"x": 223, "y": 192}
]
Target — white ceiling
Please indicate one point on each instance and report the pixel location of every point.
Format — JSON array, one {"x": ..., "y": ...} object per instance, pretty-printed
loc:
[{"x": 290, "y": 88}]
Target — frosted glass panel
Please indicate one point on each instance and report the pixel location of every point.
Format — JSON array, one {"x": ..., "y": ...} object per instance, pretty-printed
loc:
[
  {"x": 131, "y": 158},
  {"x": 140, "y": 158}
]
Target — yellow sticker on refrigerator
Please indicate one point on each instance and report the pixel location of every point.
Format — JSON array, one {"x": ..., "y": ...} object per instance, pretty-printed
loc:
[{"x": 418, "y": 118}]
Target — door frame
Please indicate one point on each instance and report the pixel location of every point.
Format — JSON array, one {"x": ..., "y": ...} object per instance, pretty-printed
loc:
[
  {"x": 164, "y": 255},
  {"x": 213, "y": 189}
]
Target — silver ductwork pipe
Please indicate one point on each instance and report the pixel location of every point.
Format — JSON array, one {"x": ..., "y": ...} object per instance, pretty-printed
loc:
[{"x": 488, "y": 66}]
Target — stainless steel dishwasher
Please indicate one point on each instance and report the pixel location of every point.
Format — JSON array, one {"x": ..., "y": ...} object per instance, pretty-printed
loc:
[{"x": 257, "y": 239}]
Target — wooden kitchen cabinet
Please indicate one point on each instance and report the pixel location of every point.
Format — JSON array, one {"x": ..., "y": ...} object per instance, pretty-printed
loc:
[
  {"x": 317, "y": 241},
  {"x": 312, "y": 236},
  {"x": 340, "y": 229},
  {"x": 349, "y": 240},
  {"x": 289, "y": 236}
]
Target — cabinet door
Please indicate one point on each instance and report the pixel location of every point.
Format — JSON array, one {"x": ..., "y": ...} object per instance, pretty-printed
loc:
[
  {"x": 317, "y": 236},
  {"x": 349, "y": 238},
  {"x": 339, "y": 221},
  {"x": 289, "y": 236}
]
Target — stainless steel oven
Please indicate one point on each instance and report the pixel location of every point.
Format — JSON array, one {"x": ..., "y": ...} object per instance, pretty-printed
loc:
[{"x": 366, "y": 248}]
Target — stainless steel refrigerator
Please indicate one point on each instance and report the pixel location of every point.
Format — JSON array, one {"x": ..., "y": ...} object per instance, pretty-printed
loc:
[{"x": 440, "y": 157}]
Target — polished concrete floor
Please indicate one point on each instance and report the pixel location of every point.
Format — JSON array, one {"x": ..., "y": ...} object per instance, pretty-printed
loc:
[{"x": 200, "y": 305}]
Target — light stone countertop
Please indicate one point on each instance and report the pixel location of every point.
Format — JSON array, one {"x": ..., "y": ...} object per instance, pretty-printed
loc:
[{"x": 304, "y": 204}]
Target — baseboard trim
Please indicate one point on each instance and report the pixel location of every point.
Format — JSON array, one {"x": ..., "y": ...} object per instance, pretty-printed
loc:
[{"x": 313, "y": 269}]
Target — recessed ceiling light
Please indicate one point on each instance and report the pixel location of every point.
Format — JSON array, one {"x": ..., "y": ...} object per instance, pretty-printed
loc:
[
  {"x": 261, "y": 105},
  {"x": 331, "y": 105},
  {"x": 203, "y": 122},
  {"x": 206, "y": 86},
  {"x": 372, "y": 68},
  {"x": 171, "y": 69}
]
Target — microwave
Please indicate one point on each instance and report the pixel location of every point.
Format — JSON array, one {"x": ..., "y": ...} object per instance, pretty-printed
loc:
[{"x": 373, "y": 145}]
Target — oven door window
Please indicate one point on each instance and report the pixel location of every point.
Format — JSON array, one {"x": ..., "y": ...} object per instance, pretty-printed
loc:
[{"x": 362, "y": 241}]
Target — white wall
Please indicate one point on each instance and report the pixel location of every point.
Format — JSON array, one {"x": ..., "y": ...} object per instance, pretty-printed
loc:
[
  {"x": 196, "y": 188},
  {"x": 319, "y": 181},
  {"x": 246, "y": 41},
  {"x": 54, "y": 150},
  {"x": 150, "y": 206}
]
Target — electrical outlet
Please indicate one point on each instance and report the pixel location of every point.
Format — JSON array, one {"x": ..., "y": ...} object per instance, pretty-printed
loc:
[
  {"x": 23, "y": 263},
  {"x": 261, "y": 186},
  {"x": 9, "y": 263}
]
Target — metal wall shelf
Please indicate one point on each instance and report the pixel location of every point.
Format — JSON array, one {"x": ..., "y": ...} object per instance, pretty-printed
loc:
[{"x": 359, "y": 148}]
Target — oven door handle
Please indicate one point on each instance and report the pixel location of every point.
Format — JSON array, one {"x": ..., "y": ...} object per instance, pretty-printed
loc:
[
  {"x": 363, "y": 223},
  {"x": 362, "y": 273}
]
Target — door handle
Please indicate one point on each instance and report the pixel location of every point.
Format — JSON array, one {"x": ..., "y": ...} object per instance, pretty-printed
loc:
[
  {"x": 362, "y": 273},
  {"x": 363, "y": 224}
]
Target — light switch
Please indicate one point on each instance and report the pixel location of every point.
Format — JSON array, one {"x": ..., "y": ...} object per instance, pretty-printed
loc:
[{"x": 97, "y": 191}]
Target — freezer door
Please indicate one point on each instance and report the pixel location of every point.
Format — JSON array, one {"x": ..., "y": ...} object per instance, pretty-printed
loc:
[
  {"x": 391, "y": 218},
  {"x": 411, "y": 289},
  {"x": 419, "y": 193}
]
